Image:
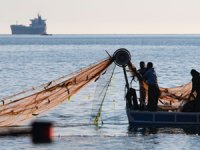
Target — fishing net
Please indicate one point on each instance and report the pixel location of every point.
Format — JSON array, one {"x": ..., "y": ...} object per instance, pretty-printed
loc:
[
  {"x": 170, "y": 98},
  {"x": 16, "y": 109},
  {"x": 100, "y": 94},
  {"x": 176, "y": 96}
]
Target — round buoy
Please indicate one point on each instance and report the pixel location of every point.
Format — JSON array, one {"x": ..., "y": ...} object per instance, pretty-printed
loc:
[{"x": 42, "y": 132}]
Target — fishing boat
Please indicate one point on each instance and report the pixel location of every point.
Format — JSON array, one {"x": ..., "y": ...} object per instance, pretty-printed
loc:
[{"x": 168, "y": 115}]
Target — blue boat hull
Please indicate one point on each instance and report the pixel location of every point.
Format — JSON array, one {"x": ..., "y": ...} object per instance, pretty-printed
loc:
[{"x": 163, "y": 119}]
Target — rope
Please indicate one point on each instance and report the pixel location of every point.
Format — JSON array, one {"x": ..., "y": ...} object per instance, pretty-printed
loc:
[{"x": 96, "y": 120}]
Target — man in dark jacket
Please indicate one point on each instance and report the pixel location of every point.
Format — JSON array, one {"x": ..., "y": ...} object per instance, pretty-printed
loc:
[
  {"x": 150, "y": 78},
  {"x": 141, "y": 71},
  {"x": 195, "y": 88}
]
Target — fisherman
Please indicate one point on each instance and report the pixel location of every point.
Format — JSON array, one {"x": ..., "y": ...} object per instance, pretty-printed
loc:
[
  {"x": 150, "y": 78},
  {"x": 195, "y": 88},
  {"x": 141, "y": 71},
  {"x": 142, "y": 68}
]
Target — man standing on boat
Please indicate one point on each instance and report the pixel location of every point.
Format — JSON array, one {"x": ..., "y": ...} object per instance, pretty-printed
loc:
[
  {"x": 141, "y": 71},
  {"x": 195, "y": 88},
  {"x": 150, "y": 78}
]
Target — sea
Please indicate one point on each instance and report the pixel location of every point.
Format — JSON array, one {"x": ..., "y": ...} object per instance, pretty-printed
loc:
[{"x": 28, "y": 61}]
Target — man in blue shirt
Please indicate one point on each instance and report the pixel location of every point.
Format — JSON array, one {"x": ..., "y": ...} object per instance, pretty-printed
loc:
[{"x": 150, "y": 78}]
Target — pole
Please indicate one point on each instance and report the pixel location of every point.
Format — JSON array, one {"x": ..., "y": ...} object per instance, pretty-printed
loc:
[{"x": 126, "y": 79}]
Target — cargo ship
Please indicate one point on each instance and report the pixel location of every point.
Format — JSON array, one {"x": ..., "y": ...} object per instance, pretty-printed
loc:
[{"x": 37, "y": 26}]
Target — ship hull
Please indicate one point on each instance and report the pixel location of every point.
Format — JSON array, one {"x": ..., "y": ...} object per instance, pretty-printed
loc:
[{"x": 20, "y": 29}]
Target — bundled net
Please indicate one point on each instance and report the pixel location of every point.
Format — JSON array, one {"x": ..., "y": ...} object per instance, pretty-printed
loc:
[
  {"x": 16, "y": 109},
  {"x": 175, "y": 96}
]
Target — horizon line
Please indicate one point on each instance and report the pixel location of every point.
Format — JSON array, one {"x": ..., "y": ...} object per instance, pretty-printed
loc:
[{"x": 108, "y": 34}]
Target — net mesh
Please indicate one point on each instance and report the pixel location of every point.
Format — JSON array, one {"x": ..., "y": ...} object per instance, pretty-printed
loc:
[
  {"x": 175, "y": 96},
  {"x": 100, "y": 94},
  {"x": 16, "y": 109}
]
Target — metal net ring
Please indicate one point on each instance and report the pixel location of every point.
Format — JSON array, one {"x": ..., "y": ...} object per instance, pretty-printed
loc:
[{"x": 122, "y": 57}]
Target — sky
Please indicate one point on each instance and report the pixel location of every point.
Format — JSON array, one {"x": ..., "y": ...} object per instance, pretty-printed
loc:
[{"x": 105, "y": 16}]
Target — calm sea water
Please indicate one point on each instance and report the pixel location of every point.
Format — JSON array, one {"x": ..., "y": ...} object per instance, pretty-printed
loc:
[{"x": 27, "y": 61}]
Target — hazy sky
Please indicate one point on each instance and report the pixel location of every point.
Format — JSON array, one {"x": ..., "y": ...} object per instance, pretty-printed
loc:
[{"x": 105, "y": 16}]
